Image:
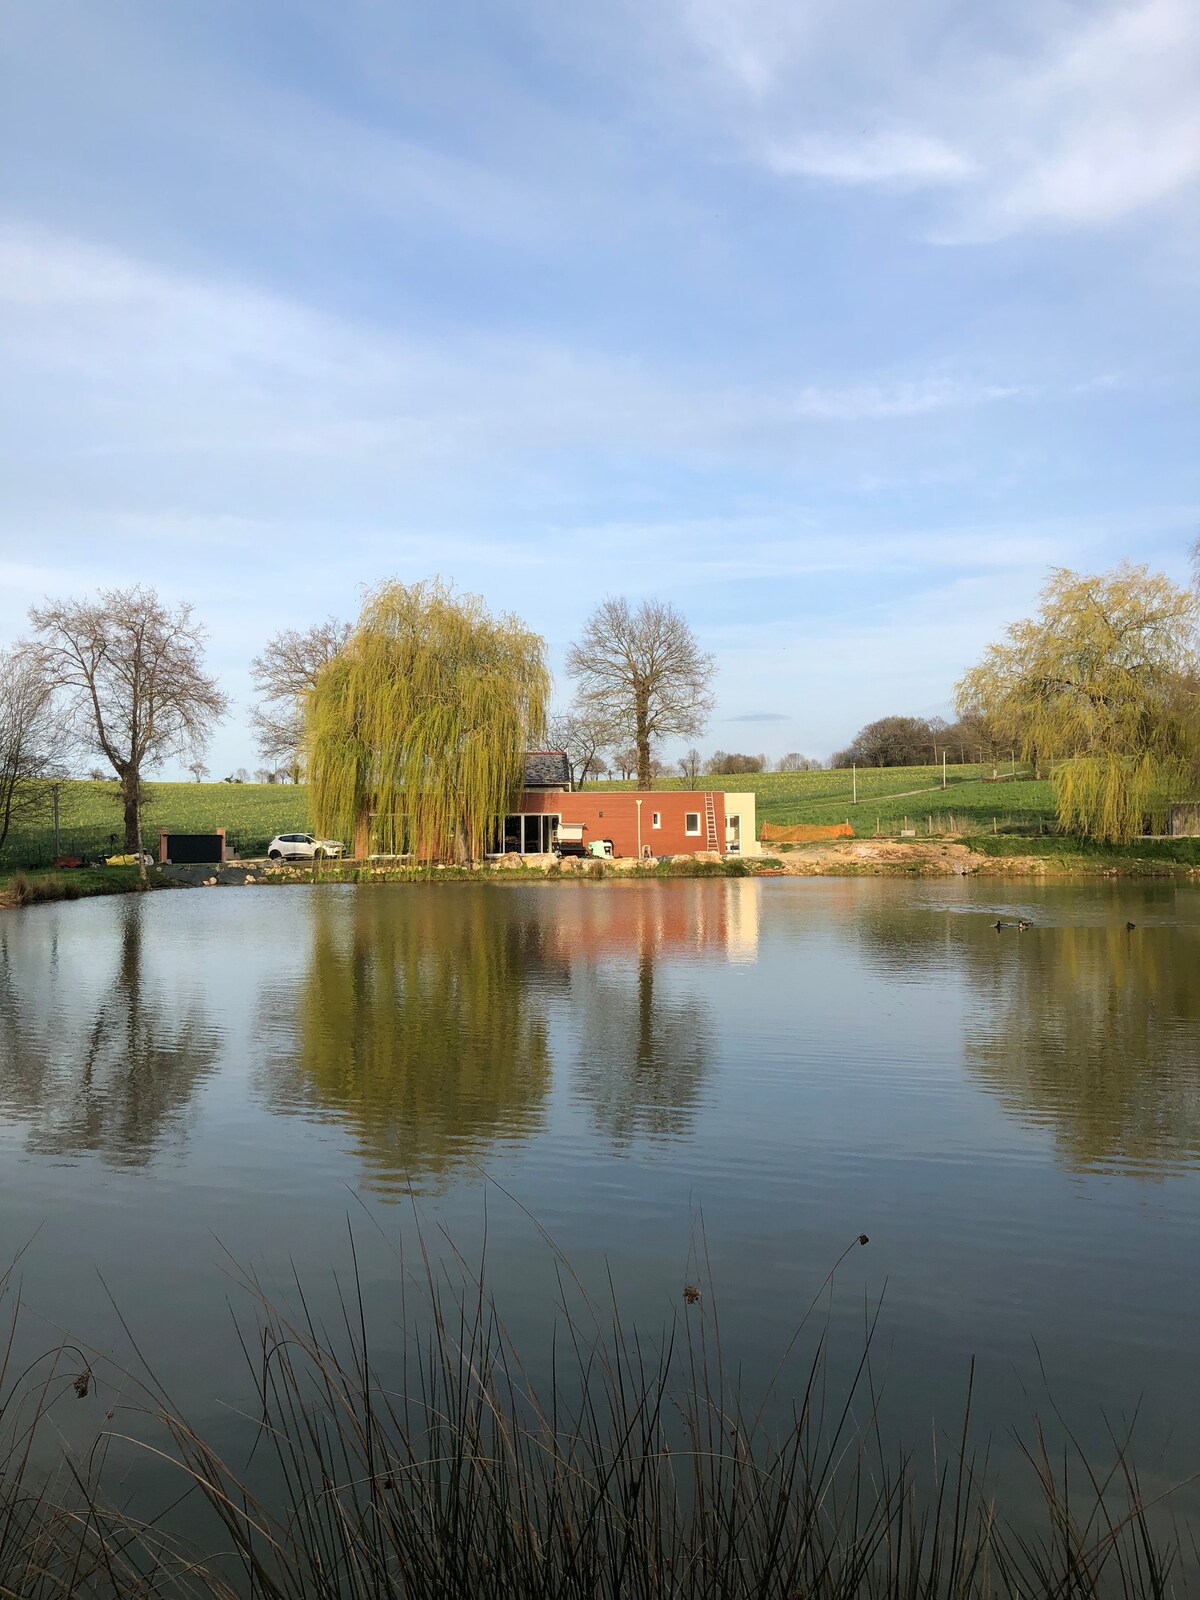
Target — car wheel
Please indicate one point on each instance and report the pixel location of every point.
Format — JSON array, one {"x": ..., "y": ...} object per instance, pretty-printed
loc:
[
  {"x": 318, "y": 855},
  {"x": 275, "y": 855}
]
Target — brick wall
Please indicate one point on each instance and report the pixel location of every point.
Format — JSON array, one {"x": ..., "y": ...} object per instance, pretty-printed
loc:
[{"x": 615, "y": 816}]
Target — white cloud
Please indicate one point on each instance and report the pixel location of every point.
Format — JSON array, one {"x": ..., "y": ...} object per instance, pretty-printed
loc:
[
  {"x": 1075, "y": 116},
  {"x": 899, "y": 158}
]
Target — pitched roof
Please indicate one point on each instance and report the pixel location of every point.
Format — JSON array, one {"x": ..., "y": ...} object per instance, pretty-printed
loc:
[{"x": 546, "y": 769}]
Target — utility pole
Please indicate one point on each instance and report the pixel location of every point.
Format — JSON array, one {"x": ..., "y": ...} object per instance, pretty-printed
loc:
[
  {"x": 854, "y": 782},
  {"x": 943, "y": 766},
  {"x": 54, "y": 797}
]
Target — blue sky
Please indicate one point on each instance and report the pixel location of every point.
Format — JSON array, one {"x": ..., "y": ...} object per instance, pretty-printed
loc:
[{"x": 835, "y": 324}]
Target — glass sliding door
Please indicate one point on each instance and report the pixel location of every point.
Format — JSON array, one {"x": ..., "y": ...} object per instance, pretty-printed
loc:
[{"x": 526, "y": 833}]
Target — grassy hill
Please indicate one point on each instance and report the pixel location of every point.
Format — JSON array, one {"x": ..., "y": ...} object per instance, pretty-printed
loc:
[
  {"x": 251, "y": 813},
  {"x": 887, "y": 796}
]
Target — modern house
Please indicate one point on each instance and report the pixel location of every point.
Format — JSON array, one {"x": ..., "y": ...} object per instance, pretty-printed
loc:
[{"x": 657, "y": 822}]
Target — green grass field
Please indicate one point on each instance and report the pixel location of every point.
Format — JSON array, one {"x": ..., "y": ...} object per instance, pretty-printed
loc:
[
  {"x": 90, "y": 819},
  {"x": 889, "y": 795}
]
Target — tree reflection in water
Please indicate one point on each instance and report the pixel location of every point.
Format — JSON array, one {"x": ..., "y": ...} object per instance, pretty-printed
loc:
[
  {"x": 1094, "y": 1032},
  {"x": 1090, "y": 1030},
  {"x": 111, "y": 1076},
  {"x": 643, "y": 1054},
  {"x": 419, "y": 1027}
]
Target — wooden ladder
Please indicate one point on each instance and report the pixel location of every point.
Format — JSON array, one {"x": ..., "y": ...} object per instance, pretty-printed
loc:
[{"x": 710, "y": 823}]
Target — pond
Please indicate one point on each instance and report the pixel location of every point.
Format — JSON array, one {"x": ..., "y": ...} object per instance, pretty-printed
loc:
[{"x": 718, "y": 1079}]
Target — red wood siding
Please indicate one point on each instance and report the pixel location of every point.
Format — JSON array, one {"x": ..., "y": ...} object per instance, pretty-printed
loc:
[{"x": 615, "y": 816}]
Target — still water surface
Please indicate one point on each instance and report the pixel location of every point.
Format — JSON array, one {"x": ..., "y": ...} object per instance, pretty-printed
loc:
[{"x": 1013, "y": 1118}]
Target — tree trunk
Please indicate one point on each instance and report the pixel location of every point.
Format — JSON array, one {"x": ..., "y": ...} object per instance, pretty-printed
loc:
[
  {"x": 129, "y": 801},
  {"x": 643, "y": 744}
]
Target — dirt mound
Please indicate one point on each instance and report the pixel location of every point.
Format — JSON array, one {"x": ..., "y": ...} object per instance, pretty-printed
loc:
[{"x": 867, "y": 857}]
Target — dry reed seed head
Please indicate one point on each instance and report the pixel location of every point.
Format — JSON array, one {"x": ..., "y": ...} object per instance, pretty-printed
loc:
[
  {"x": 690, "y": 1293},
  {"x": 863, "y": 1239},
  {"x": 82, "y": 1383}
]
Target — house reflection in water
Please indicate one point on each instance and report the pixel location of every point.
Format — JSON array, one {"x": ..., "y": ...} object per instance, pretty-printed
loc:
[
  {"x": 422, "y": 1021},
  {"x": 675, "y": 917},
  {"x": 643, "y": 1045}
]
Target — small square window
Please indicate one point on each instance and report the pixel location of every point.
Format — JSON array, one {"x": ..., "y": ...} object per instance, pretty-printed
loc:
[
  {"x": 656, "y": 819},
  {"x": 691, "y": 822}
]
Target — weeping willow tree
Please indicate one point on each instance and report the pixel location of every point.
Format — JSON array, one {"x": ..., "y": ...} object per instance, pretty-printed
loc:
[
  {"x": 415, "y": 732},
  {"x": 1102, "y": 687}
]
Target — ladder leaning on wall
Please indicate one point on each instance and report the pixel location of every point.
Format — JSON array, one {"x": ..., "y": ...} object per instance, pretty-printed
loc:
[{"x": 710, "y": 823}]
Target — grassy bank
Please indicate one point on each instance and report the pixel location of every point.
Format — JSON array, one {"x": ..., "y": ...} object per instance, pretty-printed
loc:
[
  {"x": 642, "y": 1464},
  {"x": 1144, "y": 857},
  {"x": 28, "y": 888},
  {"x": 569, "y": 871}
]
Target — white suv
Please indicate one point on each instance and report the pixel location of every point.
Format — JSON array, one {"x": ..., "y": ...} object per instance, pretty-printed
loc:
[{"x": 301, "y": 847}]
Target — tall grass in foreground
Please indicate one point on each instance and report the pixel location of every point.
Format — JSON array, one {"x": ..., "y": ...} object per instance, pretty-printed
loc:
[{"x": 640, "y": 1468}]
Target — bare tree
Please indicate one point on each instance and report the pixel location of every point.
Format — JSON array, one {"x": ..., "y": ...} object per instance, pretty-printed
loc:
[
  {"x": 132, "y": 671},
  {"x": 283, "y": 674},
  {"x": 581, "y": 733},
  {"x": 795, "y": 762},
  {"x": 644, "y": 670},
  {"x": 625, "y": 762},
  {"x": 690, "y": 766},
  {"x": 198, "y": 770},
  {"x": 31, "y": 736}
]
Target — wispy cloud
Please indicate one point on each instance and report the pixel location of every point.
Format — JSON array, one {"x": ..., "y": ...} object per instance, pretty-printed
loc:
[
  {"x": 201, "y": 366},
  {"x": 899, "y": 158},
  {"x": 1079, "y": 116}
]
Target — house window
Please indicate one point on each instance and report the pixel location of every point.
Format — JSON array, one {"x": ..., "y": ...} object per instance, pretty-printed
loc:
[
  {"x": 656, "y": 819},
  {"x": 691, "y": 822}
]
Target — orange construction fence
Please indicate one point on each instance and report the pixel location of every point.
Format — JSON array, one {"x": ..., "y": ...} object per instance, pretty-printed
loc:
[{"x": 804, "y": 832}]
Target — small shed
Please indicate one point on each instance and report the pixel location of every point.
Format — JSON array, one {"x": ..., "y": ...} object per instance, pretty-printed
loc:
[
  {"x": 194, "y": 849},
  {"x": 1185, "y": 819}
]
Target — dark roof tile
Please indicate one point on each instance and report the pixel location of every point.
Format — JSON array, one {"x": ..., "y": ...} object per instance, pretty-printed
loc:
[{"x": 545, "y": 769}]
